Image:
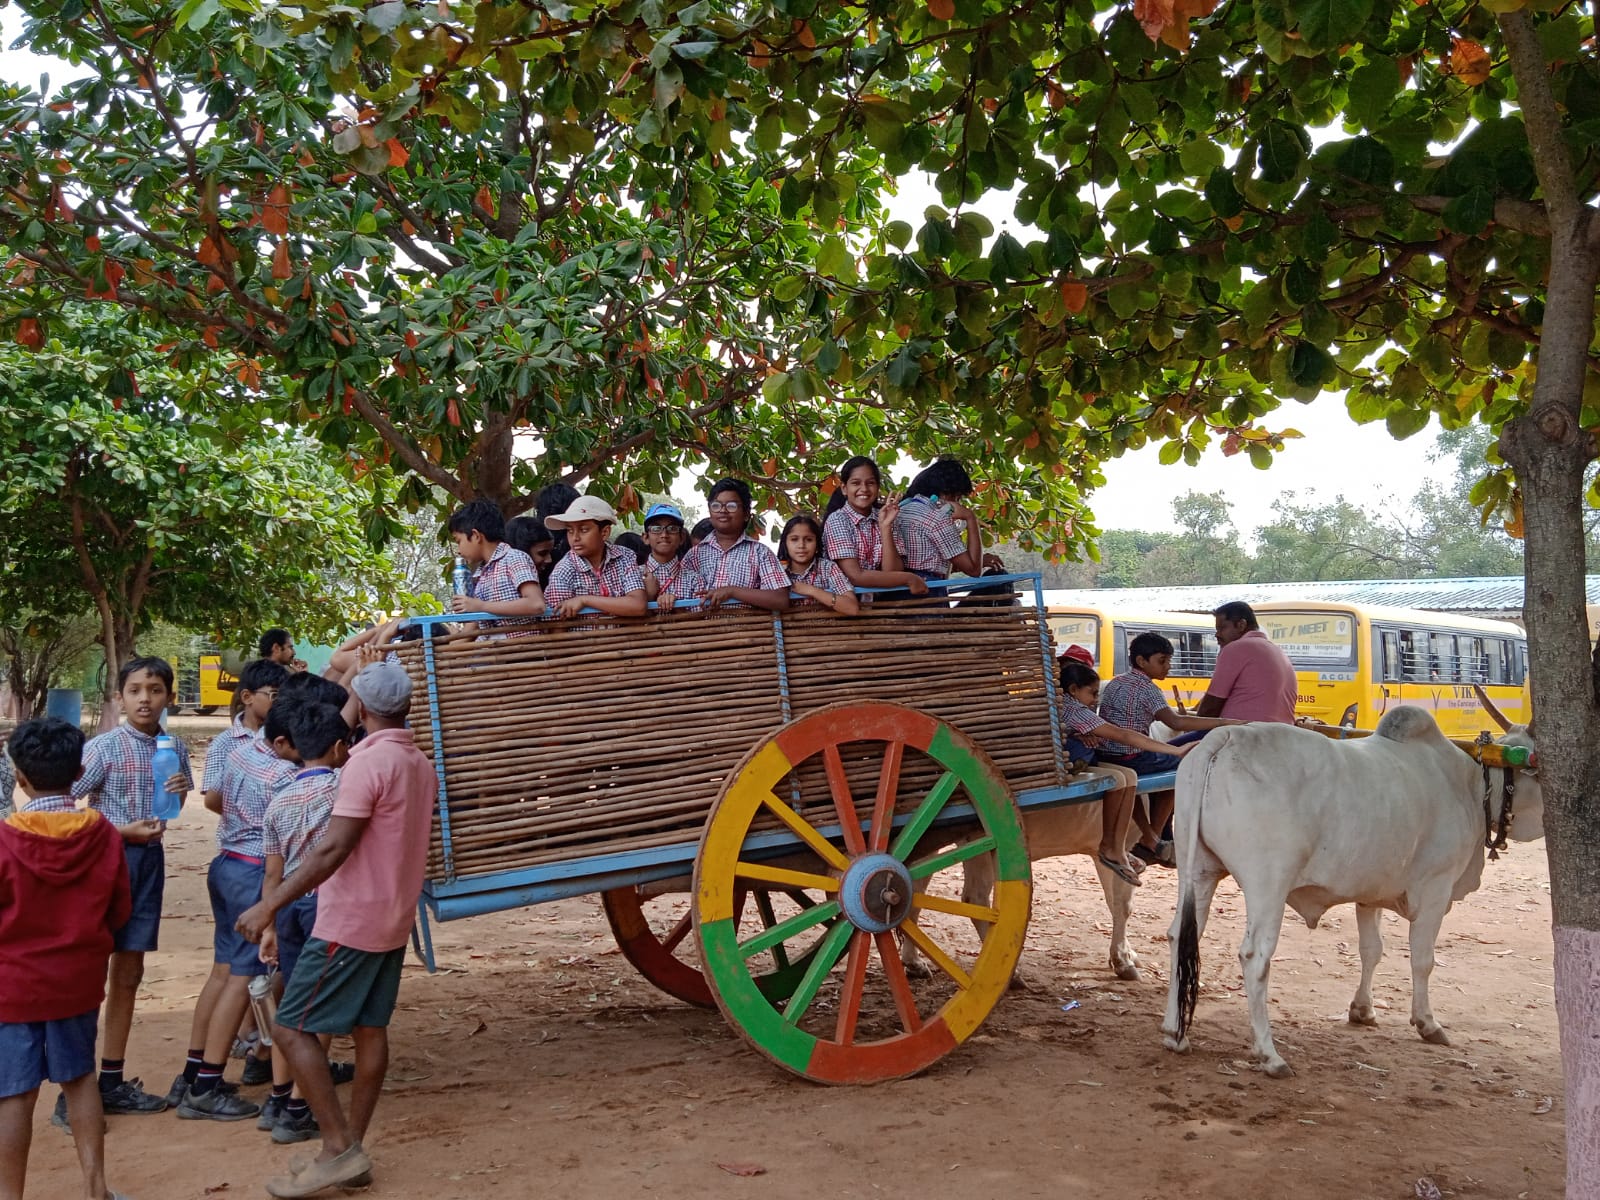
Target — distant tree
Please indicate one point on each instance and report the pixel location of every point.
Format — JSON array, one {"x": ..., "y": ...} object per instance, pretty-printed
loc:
[{"x": 42, "y": 651}]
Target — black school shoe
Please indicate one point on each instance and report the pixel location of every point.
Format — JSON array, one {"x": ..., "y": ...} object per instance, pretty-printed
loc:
[
  {"x": 217, "y": 1105},
  {"x": 256, "y": 1072},
  {"x": 129, "y": 1096},
  {"x": 342, "y": 1072},
  {"x": 271, "y": 1113},
  {"x": 292, "y": 1127}
]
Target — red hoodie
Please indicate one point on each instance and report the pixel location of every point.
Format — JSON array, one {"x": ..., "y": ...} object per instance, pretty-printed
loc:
[{"x": 63, "y": 893}]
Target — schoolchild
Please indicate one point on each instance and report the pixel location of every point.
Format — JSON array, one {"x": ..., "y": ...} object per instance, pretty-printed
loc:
[
  {"x": 117, "y": 781},
  {"x": 259, "y": 682},
  {"x": 700, "y": 532},
  {"x": 1081, "y": 686},
  {"x": 666, "y": 577},
  {"x": 630, "y": 540},
  {"x": 739, "y": 571},
  {"x": 296, "y": 821},
  {"x": 858, "y": 532},
  {"x": 1133, "y": 701},
  {"x": 64, "y": 877},
  {"x": 504, "y": 581},
  {"x": 932, "y": 515},
  {"x": 530, "y": 535},
  {"x": 552, "y": 499},
  {"x": 595, "y": 573},
  {"x": 253, "y": 778},
  {"x": 813, "y": 578}
]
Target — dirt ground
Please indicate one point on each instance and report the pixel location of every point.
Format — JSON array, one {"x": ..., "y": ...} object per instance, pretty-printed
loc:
[{"x": 537, "y": 1062}]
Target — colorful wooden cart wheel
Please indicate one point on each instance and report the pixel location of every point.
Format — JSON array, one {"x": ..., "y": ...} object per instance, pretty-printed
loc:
[
  {"x": 655, "y": 955},
  {"x": 866, "y": 876}
]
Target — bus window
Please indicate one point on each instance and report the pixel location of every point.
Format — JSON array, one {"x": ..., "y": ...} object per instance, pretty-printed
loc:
[
  {"x": 1414, "y": 656},
  {"x": 1497, "y": 660},
  {"x": 1391, "y": 657},
  {"x": 1519, "y": 670},
  {"x": 1444, "y": 664},
  {"x": 1474, "y": 667}
]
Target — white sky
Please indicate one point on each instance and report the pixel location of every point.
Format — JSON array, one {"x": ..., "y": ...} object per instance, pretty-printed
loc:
[{"x": 1363, "y": 463}]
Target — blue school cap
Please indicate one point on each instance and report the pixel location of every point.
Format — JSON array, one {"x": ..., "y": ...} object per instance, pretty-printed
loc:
[{"x": 664, "y": 510}]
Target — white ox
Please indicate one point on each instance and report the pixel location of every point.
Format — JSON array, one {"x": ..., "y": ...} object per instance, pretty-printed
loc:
[{"x": 1394, "y": 821}]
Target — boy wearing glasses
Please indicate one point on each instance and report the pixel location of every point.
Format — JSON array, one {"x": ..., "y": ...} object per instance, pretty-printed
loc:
[
  {"x": 739, "y": 571},
  {"x": 666, "y": 577}
]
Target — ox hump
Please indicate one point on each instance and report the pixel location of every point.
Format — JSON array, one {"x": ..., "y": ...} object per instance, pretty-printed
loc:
[{"x": 1409, "y": 724}]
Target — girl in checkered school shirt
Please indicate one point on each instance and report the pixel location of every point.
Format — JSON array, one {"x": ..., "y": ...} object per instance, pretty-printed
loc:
[{"x": 813, "y": 578}]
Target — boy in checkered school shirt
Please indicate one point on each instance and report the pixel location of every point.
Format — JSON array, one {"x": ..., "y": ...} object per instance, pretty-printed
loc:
[
  {"x": 739, "y": 571},
  {"x": 928, "y": 529},
  {"x": 594, "y": 574},
  {"x": 666, "y": 578},
  {"x": 116, "y": 779},
  {"x": 259, "y": 682},
  {"x": 295, "y": 823},
  {"x": 505, "y": 582}
]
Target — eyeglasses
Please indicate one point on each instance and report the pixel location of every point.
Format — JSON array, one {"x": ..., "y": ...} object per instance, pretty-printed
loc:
[
  {"x": 662, "y": 528},
  {"x": 728, "y": 506}
]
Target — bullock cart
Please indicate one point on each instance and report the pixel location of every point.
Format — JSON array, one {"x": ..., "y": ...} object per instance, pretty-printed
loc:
[{"x": 764, "y": 804}]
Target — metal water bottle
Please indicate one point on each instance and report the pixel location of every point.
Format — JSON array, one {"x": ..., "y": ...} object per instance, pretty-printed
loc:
[
  {"x": 262, "y": 1005},
  {"x": 461, "y": 578}
]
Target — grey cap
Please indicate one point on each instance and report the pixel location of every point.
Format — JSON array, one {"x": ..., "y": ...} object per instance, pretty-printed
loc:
[{"x": 384, "y": 687}]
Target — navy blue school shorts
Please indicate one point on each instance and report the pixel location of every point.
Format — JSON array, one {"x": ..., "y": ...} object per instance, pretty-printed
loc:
[
  {"x": 34, "y": 1051},
  {"x": 1145, "y": 762},
  {"x": 147, "y": 878},
  {"x": 294, "y": 924},
  {"x": 234, "y": 885}
]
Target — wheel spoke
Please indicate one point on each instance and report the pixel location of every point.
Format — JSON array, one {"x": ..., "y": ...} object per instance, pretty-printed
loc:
[
  {"x": 784, "y": 876},
  {"x": 930, "y": 866},
  {"x": 786, "y": 929},
  {"x": 679, "y": 932},
  {"x": 828, "y": 954},
  {"x": 933, "y": 950},
  {"x": 769, "y": 919},
  {"x": 888, "y": 788},
  {"x": 826, "y": 850},
  {"x": 855, "y": 979},
  {"x": 925, "y": 815},
  {"x": 899, "y": 986},
  {"x": 844, "y": 803},
  {"x": 956, "y": 908}
]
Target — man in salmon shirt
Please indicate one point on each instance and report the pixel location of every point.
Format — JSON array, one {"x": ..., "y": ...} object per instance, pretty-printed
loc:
[
  {"x": 368, "y": 870},
  {"x": 1254, "y": 679}
]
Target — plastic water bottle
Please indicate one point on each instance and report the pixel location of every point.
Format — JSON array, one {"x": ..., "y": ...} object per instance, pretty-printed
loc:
[
  {"x": 266, "y": 1012},
  {"x": 165, "y": 805},
  {"x": 461, "y": 578}
]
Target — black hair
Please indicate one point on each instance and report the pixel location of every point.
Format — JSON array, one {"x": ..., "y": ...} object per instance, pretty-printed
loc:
[
  {"x": 159, "y": 667},
  {"x": 303, "y": 687},
  {"x": 261, "y": 673},
  {"x": 737, "y": 486},
  {"x": 314, "y": 729},
  {"x": 276, "y": 724},
  {"x": 408, "y": 632},
  {"x": 837, "y": 500},
  {"x": 1237, "y": 610},
  {"x": 554, "y": 499},
  {"x": 524, "y": 533},
  {"x": 1075, "y": 674},
  {"x": 481, "y": 516},
  {"x": 271, "y": 640},
  {"x": 1147, "y": 645},
  {"x": 49, "y": 751},
  {"x": 632, "y": 541},
  {"x": 701, "y": 530},
  {"x": 798, "y": 519},
  {"x": 947, "y": 477}
]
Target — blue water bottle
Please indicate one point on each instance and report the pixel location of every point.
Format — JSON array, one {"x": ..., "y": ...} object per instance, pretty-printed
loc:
[
  {"x": 461, "y": 578},
  {"x": 165, "y": 805}
]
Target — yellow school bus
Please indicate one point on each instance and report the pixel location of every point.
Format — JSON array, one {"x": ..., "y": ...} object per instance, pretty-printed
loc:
[
  {"x": 1354, "y": 661},
  {"x": 216, "y": 684},
  {"x": 1106, "y": 632}
]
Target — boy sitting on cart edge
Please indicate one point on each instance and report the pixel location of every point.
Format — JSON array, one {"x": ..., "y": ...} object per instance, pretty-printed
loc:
[
  {"x": 739, "y": 571},
  {"x": 595, "y": 574},
  {"x": 505, "y": 582},
  {"x": 666, "y": 578}
]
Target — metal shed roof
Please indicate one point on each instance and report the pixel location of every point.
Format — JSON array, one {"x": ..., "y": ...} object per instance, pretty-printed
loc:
[{"x": 1484, "y": 596}]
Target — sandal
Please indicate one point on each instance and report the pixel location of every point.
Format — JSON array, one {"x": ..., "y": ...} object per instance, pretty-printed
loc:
[{"x": 1121, "y": 869}]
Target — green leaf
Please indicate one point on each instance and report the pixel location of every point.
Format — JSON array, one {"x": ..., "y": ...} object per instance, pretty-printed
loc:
[
  {"x": 1302, "y": 283},
  {"x": 385, "y": 16},
  {"x": 1470, "y": 212},
  {"x": 1222, "y": 195},
  {"x": 1309, "y": 365},
  {"x": 775, "y": 387},
  {"x": 1327, "y": 24},
  {"x": 904, "y": 370},
  {"x": 1372, "y": 90},
  {"x": 1009, "y": 259},
  {"x": 1282, "y": 150},
  {"x": 1403, "y": 422}
]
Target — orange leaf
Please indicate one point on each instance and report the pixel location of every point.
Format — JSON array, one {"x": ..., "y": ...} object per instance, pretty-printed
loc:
[
  {"x": 942, "y": 10},
  {"x": 281, "y": 269},
  {"x": 485, "y": 200},
  {"x": 770, "y": 468},
  {"x": 209, "y": 337},
  {"x": 760, "y": 56},
  {"x": 452, "y": 413},
  {"x": 275, "y": 212},
  {"x": 1074, "y": 295},
  {"x": 29, "y": 333},
  {"x": 92, "y": 244},
  {"x": 398, "y": 154},
  {"x": 804, "y": 35},
  {"x": 1469, "y": 62},
  {"x": 627, "y": 500}
]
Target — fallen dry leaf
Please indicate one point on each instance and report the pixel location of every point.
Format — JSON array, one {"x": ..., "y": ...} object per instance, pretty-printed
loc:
[{"x": 744, "y": 1169}]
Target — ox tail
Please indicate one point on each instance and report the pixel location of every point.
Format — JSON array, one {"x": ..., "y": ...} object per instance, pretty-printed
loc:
[{"x": 1194, "y": 781}]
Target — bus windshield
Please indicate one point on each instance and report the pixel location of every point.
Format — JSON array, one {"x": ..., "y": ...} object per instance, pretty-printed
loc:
[
  {"x": 1312, "y": 639},
  {"x": 1080, "y": 629}
]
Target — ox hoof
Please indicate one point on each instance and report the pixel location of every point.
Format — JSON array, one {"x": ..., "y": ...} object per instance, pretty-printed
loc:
[
  {"x": 917, "y": 969},
  {"x": 1178, "y": 1045},
  {"x": 1363, "y": 1016},
  {"x": 1127, "y": 970},
  {"x": 1435, "y": 1036},
  {"x": 1278, "y": 1069}
]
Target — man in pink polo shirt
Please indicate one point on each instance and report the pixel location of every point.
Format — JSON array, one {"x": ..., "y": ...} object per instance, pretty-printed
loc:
[
  {"x": 1254, "y": 679},
  {"x": 369, "y": 869}
]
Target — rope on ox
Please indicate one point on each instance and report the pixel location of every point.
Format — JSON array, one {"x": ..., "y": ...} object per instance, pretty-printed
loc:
[{"x": 1494, "y": 832}]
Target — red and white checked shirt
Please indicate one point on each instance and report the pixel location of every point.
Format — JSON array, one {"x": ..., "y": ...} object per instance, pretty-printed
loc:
[
  {"x": 824, "y": 574},
  {"x": 680, "y": 581},
  {"x": 117, "y": 774},
  {"x": 927, "y": 535},
  {"x": 849, "y": 534},
  {"x": 1081, "y": 719},
  {"x": 574, "y": 576},
  {"x": 745, "y": 564},
  {"x": 298, "y": 816},
  {"x": 502, "y": 577},
  {"x": 1131, "y": 700}
]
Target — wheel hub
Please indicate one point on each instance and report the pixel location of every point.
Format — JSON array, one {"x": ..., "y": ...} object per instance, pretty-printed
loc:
[{"x": 876, "y": 893}]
